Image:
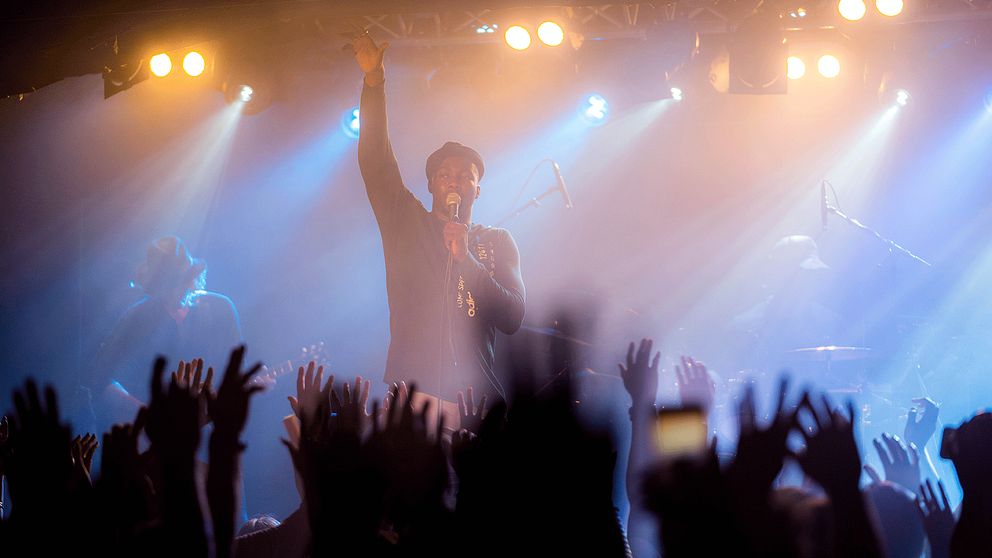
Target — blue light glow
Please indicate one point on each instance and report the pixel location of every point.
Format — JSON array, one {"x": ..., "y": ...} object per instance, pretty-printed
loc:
[
  {"x": 988, "y": 101},
  {"x": 595, "y": 109},
  {"x": 350, "y": 123}
]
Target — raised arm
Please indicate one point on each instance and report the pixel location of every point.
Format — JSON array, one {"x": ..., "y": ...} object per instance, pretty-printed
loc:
[
  {"x": 503, "y": 292},
  {"x": 390, "y": 199}
]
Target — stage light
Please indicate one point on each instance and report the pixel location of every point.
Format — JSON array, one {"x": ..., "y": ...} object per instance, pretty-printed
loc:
[
  {"x": 350, "y": 123},
  {"x": 852, "y": 10},
  {"x": 828, "y": 65},
  {"x": 796, "y": 68},
  {"x": 517, "y": 37},
  {"x": 902, "y": 97},
  {"x": 595, "y": 109},
  {"x": 246, "y": 93},
  {"x": 160, "y": 64},
  {"x": 194, "y": 64},
  {"x": 550, "y": 33},
  {"x": 798, "y": 13},
  {"x": 889, "y": 8},
  {"x": 486, "y": 29},
  {"x": 677, "y": 94}
]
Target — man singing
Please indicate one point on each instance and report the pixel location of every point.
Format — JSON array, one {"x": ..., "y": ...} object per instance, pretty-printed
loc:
[{"x": 450, "y": 283}]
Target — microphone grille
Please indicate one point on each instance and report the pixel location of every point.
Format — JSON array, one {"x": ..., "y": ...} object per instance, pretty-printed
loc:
[{"x": 453, "y": 199}]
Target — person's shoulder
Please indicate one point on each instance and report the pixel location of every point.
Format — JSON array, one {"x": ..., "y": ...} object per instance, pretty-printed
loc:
[
  {"x": 212, "y": 299},
  {"x": 487, "y": 233}
]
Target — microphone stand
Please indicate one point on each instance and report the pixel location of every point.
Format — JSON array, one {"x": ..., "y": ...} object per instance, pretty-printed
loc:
[
  {"x": 891, "y": 244},
  {"x": 533, "y": 202}
]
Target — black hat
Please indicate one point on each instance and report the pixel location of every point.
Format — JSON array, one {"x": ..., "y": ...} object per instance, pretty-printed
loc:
[
  {"x": 168, "y": 265},
  {"x": 453, "y": 149}
]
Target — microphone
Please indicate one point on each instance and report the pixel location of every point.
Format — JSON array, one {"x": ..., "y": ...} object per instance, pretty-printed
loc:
[
  {"x": 561, "y": 185},
  {"x": 452, "y": 201},
  {"x": 824, "y": 208}
]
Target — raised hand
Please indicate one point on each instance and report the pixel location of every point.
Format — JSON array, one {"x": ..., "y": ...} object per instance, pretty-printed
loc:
[
  {"x": 900, "y": 462},
  {"x": 470, "y": 415},
  {"x": 39, "y": 465},
  {"x": 124, "y": 491},
  {"x": 229, "y": 407},
  {"x": 368, "y": 55},
  {"x": 640, "y": 375},
  {"x": 189, "y": 375},
  {"x": 82, "y": 450},
  {"x": 831, "y": 456},
  {"x": 695, "y": 385},
  {"x": 922, "y": 423},
  {"x": 173, "y": 420},
  {"x": 309, "y": 383},
  {"x": 831, "y": 459},
  {"x": 761, "y": 451},
  {"x": 937, "y": 517}
]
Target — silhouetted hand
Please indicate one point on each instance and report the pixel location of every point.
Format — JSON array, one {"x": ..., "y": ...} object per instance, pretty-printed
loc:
[
  {"x": 39, "y": 465},
  {"x": 921, "y": 424},
  {"x": 831, "y": 459},
  {"x": 173, "y": 420},
  {"x": 189, "y": 375},
  {"x": 900, "y": 463},
  {"x": 342, "y": 497},
  {"x": 119, "y": 467},
  {"x": 695, "y": 385},
  {"x": 82, "y": 450},
  {"x": 640, "y": 375},
  {"x": 831, "y": 456},
  {"x": 309, "y": 384},
  {"x": 124, "y": 491},
  {"x": 229, "y": 407},
  {"x": 469, "y": 413},
  {"x": 173, "y": 426},
  {"x": 410, "y": 456},
  {"x": 937, "y": 517},
  {"x": 761, "y": 451}
]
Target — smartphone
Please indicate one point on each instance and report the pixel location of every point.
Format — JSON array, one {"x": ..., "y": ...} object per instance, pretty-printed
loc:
[{"x": 681, "y": 432}]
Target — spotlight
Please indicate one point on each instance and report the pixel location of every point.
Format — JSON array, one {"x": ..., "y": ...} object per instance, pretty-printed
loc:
[
  {"x": 828, "y": 66},
  {"x": 246, "y": 93},
  {"x": 677, "y": 94},
  {"x": 796, "y": 67},
  {"x": 350, "y": 123},
  {"x": 486, "y": 29},
  {"x": 798, "y": 13},
  {"x": 595, "y": 109},
  {"x": 852, "y": 10},
  {"x": 902, "y": 97},
  {"x": 550, "y": 33},
  {"x": 889, "y": 8},
  {"x": 517, "y": 37},
  {"x": 193, "y": 63},
  {"x": 160, "y": 64}
]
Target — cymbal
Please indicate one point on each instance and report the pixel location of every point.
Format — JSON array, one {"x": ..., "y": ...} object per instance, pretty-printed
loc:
[
  {"x": 828, "y": 353},
  {"x": 555, "y": 334}
]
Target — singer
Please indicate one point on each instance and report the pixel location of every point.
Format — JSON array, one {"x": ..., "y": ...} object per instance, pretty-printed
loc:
[{"x": 450, "y": 283}]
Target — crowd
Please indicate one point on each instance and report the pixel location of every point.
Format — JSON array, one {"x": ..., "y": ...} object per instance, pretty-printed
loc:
[{"x": 523, "y": 477}]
